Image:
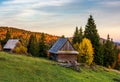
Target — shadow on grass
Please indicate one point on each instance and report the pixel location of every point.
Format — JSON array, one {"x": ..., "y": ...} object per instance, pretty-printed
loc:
[
  {"x": 116, "y": 79},
  {"x": 2, "y": 59}
]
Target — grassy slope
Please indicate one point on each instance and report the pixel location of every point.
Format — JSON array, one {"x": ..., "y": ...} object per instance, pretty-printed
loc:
[{"x": 14, "y": 68}]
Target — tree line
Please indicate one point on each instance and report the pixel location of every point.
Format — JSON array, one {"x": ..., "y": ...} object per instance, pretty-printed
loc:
[
  {"x": 91, "y": 50},
  {"x": 35, "y": 47},
  {"x": 86, "y": 42},
  {"x": 24, "y": 35}
]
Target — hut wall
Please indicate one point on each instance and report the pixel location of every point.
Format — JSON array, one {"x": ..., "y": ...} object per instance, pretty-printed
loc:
[{"x": 67, "y": 57}]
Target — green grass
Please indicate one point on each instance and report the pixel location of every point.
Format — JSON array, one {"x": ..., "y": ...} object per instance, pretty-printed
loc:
[{"x": 17, "y": 68}]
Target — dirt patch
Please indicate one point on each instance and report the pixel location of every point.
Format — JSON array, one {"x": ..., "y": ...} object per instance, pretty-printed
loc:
[{"x": 106, "y": 69}]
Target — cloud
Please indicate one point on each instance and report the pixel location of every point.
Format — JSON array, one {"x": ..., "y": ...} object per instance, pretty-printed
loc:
[
  {"x": 110, "y": 3},
  {"x": 14, "y": 2},
  {"x": 55, "y": 15},
  {"x": 51, "y": 3},
  {"x": 29, "y": 7},
  {"x": 37, "y": 2},
  {"x": 24, "y": 11}
]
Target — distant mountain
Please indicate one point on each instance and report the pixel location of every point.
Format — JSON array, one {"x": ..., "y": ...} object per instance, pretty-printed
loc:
[
  {"x": 117, "y": 43},
  {"x": 102, "y": 40},
  {"x": 24, "y": 35}
]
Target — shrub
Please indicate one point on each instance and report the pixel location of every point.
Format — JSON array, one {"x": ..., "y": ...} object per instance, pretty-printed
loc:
[
  {"x": 20, "y": 49},
  {"x": 0, "y": 47}
]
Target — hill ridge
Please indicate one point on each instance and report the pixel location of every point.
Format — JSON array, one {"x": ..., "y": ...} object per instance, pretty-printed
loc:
[{"x": 24, "y": 35}]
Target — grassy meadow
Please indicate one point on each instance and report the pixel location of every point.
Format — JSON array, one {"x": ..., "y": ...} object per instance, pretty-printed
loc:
[{"x": 18, "y": 68}]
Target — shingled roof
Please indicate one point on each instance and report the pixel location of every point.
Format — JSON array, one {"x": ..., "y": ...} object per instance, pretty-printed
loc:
[
  {"x": 58, "y": 45},
  {"x": 11, "y": 44}
]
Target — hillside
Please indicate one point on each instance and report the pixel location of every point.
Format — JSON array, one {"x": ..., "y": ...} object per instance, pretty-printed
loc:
[
  {"x": 24, "y": 35},
  {"x": 17, "y": 68}
]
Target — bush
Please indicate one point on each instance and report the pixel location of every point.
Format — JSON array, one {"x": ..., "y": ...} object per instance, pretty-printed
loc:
[
  {"x": 20, "y": 49},
  {"x": 0, "y": 47}
]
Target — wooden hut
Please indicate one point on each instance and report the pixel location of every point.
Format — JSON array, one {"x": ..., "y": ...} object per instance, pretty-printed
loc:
[
  {"x": 63, "y": 51},
  {"x": 11, "y": 45}
]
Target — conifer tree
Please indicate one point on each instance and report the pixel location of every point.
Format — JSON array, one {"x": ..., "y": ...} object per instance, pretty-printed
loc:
[
  {"x": 63, "y": 36},
  {"x": 7, "y": 37},
  {"x": 75, "y": 36},
  {"x": 92, "y": 34},
  {"x": 80, "y": 35},
  {"x": 110, "y": 54},
  {"x": 42, "y": 46},
  {"x": 33, "y": 46}
]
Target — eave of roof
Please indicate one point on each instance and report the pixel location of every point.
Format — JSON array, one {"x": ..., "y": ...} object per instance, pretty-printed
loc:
[{"x": 67, "y": 52}]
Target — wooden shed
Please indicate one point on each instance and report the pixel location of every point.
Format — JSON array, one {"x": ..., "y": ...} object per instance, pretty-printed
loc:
[
  {"x": 11, "y": 45},
  {"x": 63, "y": 51}
]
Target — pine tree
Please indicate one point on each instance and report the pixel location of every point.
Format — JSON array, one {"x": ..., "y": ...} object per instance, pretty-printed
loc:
[
  {"x": 100, "y": 58},
  {"x": 33, "y": 46},
  {"x": 63, "y": 36},
  {"x": 110, "y": 55},
  {"x": 80, "y": 35},
  {"x": 42, "y": 46},
  {"x": 75, "y": 36},
  {"x": 92, "y": 34},
  {"x": 7, "y": 37}
]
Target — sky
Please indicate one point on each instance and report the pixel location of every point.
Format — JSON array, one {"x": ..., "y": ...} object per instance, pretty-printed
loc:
[{"x": 60, "y": 17}]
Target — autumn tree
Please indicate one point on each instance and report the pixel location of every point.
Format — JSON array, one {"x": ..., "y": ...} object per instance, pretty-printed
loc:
[
  {"x": 92, "y": 34},
  {"x": 110, "y": 55},
  {"x": 42, "y": 46},
  {"x": 20, "y": 49},
  {"x": 86, "y": 51},
  {"x": 33, "y": 47},
  {"x": 76, "y": 46},
  {"x": 118, "y": 60},
  {"x": 0, "y": 46}
]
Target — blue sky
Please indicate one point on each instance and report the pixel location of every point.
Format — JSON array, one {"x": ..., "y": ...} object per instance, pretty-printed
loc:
[{"x": 60, "y": 17}]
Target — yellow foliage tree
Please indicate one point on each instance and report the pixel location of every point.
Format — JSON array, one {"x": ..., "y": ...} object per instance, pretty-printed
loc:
[
  {"x": 20, "y": 49},
  {"x": 86, "y": 51},
  {"x": 0, "y": 46}
]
